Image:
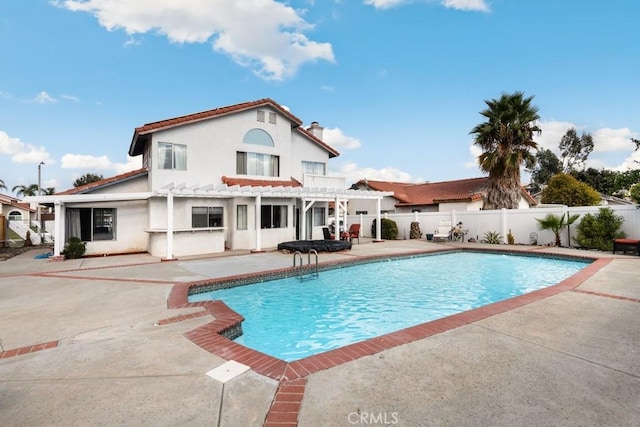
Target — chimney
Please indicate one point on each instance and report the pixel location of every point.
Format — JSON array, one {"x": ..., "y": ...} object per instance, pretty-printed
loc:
[{"x": 316, "y": 130}]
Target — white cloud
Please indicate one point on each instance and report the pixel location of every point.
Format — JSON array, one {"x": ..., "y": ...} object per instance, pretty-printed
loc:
[
  {"x": 385, "y": 4},
  {"x": 552, "y": 133},
  {"x": 100, "y": 163},
  {"x": 604, "y": 139},
  {"x": 132, "y": 163},
  {"x": 472, "y": 5},
  {"x": 475, "y": 151},
  {"x": 607, "y": 139},
  {"x": 266, "y": 36},
  {"x": 44, "y": 98},
  {"x": 466, "y": 5},
  {"x": 80, "y": 161},
  {"x": 631, "y": 162},
  {"x": 337, "y": 139},
  {"x": 71, "y": 98},
  {"x": 21, "y": 152},
  {"x": 353, "y": 174}
]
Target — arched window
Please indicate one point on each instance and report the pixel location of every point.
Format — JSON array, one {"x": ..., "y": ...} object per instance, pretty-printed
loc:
[
  {"x": 15, "y": 216},
  {"x": 258, "y": 137}
]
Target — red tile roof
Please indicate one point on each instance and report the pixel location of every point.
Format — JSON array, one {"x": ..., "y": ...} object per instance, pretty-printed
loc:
[
  {"x": 246, "y": 182},
  {"x": 430, "y": 193},
  {"x": 104, "y": 182},
  {"x": 137, "y": 147},
  {"x": 12, "y": 201}
]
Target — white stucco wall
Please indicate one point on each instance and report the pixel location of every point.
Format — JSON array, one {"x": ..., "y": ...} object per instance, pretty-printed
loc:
[
  {"x": 212, "y": 145},
  {"x": 130, "y": 235}
]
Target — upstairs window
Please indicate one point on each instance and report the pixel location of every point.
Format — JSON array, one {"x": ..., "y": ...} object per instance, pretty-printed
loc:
[
  {"x": 172, "y": 156},
  {"x": 257, "y": 164},
  {"x": 272, "y": 118},
  {"x": 314, "y": 168},
  {"x": 258, "y": 137},
  {"x": 260, "y": 117}
]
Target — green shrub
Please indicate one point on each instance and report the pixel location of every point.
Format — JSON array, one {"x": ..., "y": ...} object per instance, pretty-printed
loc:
[
  {"x": 510, "y": 239},
  {"x": 74, "y": 248},
  {"x": 634, "y": 193},
  {"x": 598, "y": 231},
  {"x": 388, "y": 229},
  {"x": 492, "y": 237}
]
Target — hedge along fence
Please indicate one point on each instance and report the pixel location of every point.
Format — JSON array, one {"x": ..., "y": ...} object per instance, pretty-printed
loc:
[{"x": 521, "y": 222}]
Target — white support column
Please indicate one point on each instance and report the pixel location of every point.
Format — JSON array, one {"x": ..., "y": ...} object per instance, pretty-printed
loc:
[
  {"x": 343, "y": 206},
  {"x": 258, "y": 223},
  {"x": 378, "y": 220},
  {"x": 336, "y": 218},
  {"x": 303, "y": 221},
  {"x": 305, "y": 208},
  {"x": 58, "y": 227},
  {"x": 169, "y": 254}
]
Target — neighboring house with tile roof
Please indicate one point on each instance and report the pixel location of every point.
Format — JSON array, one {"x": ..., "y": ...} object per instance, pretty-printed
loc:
[
  {"x": 18, "y": 216},
  {"x": 446, "y": 196},
  {"x": 245, "y": 176},
  {"x": 14, "y": 209}
]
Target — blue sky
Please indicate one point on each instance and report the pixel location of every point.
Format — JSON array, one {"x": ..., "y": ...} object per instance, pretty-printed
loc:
[{"x": 397, "y": 84}]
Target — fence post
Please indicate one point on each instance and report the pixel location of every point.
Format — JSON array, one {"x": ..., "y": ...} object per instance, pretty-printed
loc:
[{"x": 503, "y": 219}]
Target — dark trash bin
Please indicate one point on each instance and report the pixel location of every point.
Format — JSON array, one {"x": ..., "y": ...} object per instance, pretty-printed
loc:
[{"x": 429, "y": 236}]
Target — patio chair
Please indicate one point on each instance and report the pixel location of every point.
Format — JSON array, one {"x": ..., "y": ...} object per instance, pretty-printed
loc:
[
  {"x": 443, "y": 232},
  {"x": 327, "y": 234},
  {"x": 354, "y": 232}
]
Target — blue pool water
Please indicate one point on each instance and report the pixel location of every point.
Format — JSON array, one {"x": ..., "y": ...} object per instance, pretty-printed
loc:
[{"x": 291, "y": 319}]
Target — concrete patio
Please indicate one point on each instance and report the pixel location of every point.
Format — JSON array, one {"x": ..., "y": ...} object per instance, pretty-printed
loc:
[{"x": 568, "y": 359}]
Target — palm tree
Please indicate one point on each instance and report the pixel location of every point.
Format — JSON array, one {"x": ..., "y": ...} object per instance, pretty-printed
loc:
[
  {"x": 48, "y": 191},
  {"x": 24, "y": 190},
  {"x": 2, "y": 186},
  {"x": 506, "y": 140},
  {"x": 557, "y": 224}
]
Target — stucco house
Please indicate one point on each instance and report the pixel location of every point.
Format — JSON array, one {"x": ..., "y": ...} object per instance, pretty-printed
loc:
[
  {"x": 245, "y": 176},
  {"x": 445, "y": 196},
  {"x": 14, "y": 209}
]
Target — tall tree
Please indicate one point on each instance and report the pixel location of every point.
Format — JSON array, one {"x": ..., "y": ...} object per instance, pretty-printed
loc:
[
  {"x": 87, "y": 178},
  {"x": 547, "y": 165},
  {"x": 26, "y": 190},
  {"x": 506, "y": 140},
  {"x": 2, "y": 186},
  {"x": 48, "y": 191},
  {"x": 575, "y": 150}
]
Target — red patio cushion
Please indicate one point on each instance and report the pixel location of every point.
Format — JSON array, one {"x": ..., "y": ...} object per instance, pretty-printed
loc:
[{"x": 627, "y": 241}]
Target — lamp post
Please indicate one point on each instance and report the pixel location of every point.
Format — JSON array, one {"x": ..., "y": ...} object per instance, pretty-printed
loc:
[{"x": 38, "y": 204}]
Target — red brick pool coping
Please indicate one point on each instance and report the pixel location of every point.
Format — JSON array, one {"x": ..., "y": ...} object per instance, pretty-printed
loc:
[{"x": 292, "y": 375}]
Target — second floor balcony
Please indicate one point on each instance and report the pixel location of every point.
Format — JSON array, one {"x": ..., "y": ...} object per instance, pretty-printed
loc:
[{"x": 324, "y": 181}]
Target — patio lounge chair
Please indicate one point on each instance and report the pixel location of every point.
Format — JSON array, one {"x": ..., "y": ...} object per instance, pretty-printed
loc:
[
  {"x": 626, "y": 244},
  {"x": 443, "y": 232}
]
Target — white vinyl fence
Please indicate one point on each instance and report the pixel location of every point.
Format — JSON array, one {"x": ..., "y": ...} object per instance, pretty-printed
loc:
[{"x": 521, "y": 222}]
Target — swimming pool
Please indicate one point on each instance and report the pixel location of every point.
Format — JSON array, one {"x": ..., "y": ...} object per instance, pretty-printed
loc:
[{"x": 292, "y": 319}]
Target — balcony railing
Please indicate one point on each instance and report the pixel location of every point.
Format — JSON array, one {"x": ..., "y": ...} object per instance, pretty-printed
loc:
[{"x": 324, "y": 181}]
